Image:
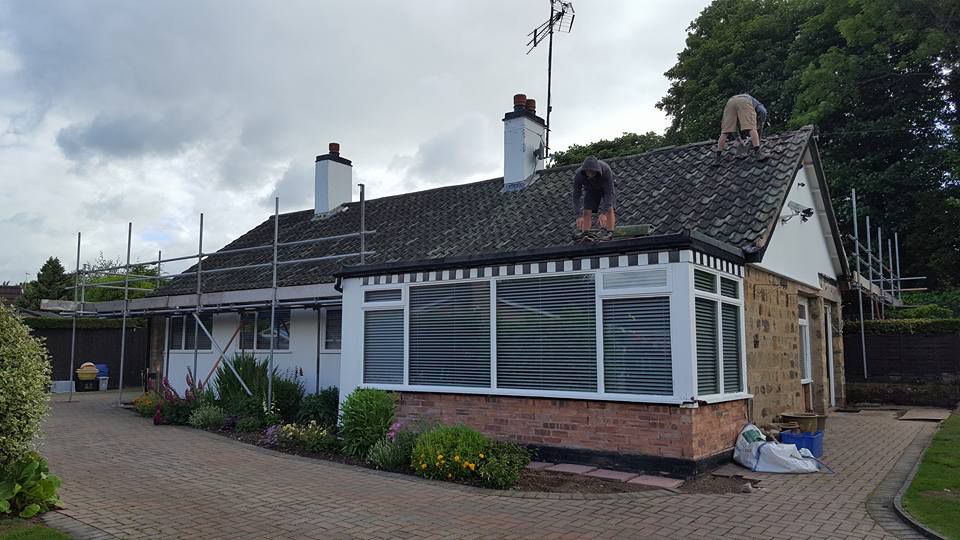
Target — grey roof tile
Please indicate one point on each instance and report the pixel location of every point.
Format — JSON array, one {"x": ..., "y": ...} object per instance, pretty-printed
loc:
[{"x": 676, "y": 189}]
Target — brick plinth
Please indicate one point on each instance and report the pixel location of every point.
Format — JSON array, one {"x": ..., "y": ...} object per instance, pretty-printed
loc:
[{"x": 629, "y": 428}]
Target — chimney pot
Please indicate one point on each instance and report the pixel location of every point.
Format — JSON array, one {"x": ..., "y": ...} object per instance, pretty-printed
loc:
[
  {"x": 519, "y": 102},
  {"x": 334, "y": 148},
  {"x": 531, "y": 105}
]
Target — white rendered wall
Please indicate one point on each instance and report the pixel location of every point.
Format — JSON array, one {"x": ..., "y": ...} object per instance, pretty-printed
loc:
[
  {"x": 522, "y": 138},
  {"x": 800, "y": 250},
  {"x": 351, "y": 365},
  {"x": 304, "y": 335},
  {"x": 333, "y": 185}
]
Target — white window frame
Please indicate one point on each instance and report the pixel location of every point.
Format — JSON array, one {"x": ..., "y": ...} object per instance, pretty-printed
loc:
[
  {"x": 719, "y": 299},
  {"x": 682, "y": 331},
  {"x": 806, "y": 363}
]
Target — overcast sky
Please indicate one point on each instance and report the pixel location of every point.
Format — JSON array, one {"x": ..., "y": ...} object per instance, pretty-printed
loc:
[{"x": 152, "y": 112}]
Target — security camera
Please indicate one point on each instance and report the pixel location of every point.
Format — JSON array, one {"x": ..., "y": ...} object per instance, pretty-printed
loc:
[{"x": 805, "y": 212}]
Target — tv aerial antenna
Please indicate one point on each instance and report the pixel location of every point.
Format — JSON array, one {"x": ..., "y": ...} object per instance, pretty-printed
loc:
[{"x": 561, "y": 20}]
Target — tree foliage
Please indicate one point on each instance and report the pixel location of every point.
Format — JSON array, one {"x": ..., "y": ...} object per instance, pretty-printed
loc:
[
  {"x": 51, "y": 284},
  {"x": 624, "y": 145}
]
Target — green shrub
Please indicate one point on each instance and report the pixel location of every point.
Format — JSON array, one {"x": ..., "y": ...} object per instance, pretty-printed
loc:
[
  {"x": 459, "y": 453},
  {"x": 948, "y": 298},
  {"x": 393, "y": 453},
  {"x": 146, "y": 404},
  {"x": 365, "y": 418},
  {"x": 27, "y": 488},
  {"x": 310, "y": 437},
  {"x": 250, "y": 423},
  {"x": 503, "y": 464},
  {"x": 321, "y": 407},
  {"x": 207, "y": 416},
  {"x": 287, "y": 390},
  {"x": 176, "y": 412},
  {"x": 904, "y": 326},
  {"x": 24, "y": 380},
  {"x": 449, "y": 453},
  {"x": 928, "y": 311},
  {"x": 287, "y": 396}
]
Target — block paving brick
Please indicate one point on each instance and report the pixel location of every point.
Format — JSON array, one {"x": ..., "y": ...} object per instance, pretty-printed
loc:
[{"x": 125, "y": 478}]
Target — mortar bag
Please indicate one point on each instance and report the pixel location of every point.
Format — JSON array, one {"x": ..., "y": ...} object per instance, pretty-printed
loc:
[
  {"x": 784, "y": 458},
  {"x": 749, "y": 439}
]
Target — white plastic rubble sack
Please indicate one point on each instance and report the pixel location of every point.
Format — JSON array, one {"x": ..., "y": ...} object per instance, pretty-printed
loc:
[{"x": 755, "y": 453}]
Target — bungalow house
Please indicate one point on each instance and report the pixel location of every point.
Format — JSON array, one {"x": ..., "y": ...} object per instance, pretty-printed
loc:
[{"x": 475, "y": 305}]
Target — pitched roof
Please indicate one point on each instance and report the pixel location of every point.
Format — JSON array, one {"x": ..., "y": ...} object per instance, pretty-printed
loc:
[{"x": 677, "y": 189}]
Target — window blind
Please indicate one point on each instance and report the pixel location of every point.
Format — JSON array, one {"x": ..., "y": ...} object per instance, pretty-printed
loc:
[
  {"x": 450, "y": 334},
  {"x": 383, "y": 347},
  {"x": 730, "y": 330},
  {"x": 546, "y": 333},
  {"x": 176, "y": 333},
  {"x": 708, "y": 381},
  {"x": 636, "y": 346},
  {"x": 248, "y": 330},
  {"x": 333, "y": 332},
  {"x": 704, "y": 281},
  {"x": 728, "y": 288},
  {"x": 203, "y": 342},
  {"x": 384, "y": 295},
  {"x": 630, "y": 280}
]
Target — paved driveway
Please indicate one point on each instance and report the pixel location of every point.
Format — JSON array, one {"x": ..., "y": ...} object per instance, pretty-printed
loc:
[{"x": 126, "y": 478}]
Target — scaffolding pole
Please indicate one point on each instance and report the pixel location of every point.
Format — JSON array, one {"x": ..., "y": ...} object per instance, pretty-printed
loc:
[
  {"x": 196, "y": 327},
  {"x": 273, "y": 302},
  {"x": 873, "y": 314},
  {"x": 856, "y": 244},
  {"x": 73, "y": 331},
  {"x": 896, "y": 245},
  {"x": 123, "y": 326},
  {"x": 883, "y": 307}
]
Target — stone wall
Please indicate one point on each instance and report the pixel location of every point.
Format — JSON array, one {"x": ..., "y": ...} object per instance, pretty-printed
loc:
[
  {"x": 631, "y": 428},
  {"x": 773, "y": 345}
]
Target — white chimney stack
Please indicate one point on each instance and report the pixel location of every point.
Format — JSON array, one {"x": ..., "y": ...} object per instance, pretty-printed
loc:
[
  {"x": 334, "y": 180},
  {"x": 523, "y": 133}
]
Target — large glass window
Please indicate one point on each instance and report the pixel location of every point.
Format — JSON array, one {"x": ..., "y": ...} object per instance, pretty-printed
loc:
[
  {"x": 450, "y": 334},
  {"x": 636, "y": 346},
  {"x": 546, "y": 333},
  {"x": 719, "y": 347},
  {"x": 803, "y": 323}
]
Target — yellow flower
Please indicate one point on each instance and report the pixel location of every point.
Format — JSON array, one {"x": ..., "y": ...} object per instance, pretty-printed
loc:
[
  {"x": 472, "y": 466},
  {"x": 449, "y": 476},
  {"x": 423, "y": 465},
  {"x": 439, "y": 456},
  {"x": 456, "y": 458},
  {"x": 481, "y": 456}
]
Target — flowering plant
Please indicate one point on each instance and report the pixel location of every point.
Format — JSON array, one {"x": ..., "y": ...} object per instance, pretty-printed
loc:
[{"x": 310, "y": 437}]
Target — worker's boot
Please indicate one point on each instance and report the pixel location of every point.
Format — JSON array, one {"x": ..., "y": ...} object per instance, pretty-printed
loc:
[
  {"x": 717, "y": 155},
  {"x": 759, "y": 153}
]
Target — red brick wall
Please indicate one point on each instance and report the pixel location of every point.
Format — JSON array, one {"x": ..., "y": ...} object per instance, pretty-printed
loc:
[{"x": 629, "y": 428}]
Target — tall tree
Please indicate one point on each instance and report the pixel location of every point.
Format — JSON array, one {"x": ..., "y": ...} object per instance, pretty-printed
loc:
[
  {"x": 624, "y": 145},
  {"x": 51, "y": 284}
]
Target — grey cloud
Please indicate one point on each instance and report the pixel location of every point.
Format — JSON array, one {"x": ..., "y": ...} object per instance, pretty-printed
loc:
[{"x": 131, "y": 135}]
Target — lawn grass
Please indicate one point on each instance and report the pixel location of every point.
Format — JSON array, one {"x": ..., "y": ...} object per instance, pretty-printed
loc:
[
  {"x": 18, "y": 529},
  {"x": 934, "y": 496}
]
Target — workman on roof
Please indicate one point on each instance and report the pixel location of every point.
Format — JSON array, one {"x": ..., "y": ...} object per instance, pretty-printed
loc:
[
  {"x": 593, "y": 192},
  {"x": 743, "y": 113}
]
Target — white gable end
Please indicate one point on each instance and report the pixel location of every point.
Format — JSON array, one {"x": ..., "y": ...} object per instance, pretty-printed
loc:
[{"x": 802, "y": 250}]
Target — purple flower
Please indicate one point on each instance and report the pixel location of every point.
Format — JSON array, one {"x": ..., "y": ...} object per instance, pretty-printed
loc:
[
  {"x": 271, "y": 436},
  {"x": 394, "y": 429}
]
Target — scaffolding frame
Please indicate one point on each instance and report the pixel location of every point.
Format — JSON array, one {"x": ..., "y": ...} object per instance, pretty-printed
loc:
[
  {"x": 882, "y": 291},
  {"x": 78, "y": 306}
]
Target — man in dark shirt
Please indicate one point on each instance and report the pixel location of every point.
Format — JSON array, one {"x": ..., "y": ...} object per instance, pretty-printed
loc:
[{"x": 593, "y": 192}]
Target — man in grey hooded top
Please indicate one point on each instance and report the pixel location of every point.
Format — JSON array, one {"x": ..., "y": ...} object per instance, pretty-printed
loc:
[{"x": 593, "y": 192}]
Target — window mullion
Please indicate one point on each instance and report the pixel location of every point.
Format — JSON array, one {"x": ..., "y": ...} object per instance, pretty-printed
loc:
[
  {"x": 719, "y": 330},
  {"x": 493, "y": 333},
  {"x": 598, "y": 303}
]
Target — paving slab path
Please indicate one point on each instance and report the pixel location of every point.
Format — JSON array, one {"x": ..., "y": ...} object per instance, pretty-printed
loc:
[{"x": 125, "y": 478}]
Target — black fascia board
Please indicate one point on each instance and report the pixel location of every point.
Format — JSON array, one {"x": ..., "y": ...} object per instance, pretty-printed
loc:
[{"x": 685, "y": 239}]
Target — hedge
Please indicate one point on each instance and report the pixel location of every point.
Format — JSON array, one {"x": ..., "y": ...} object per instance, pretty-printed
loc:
[
  {"x": 904, "y": 326},
  {"x": 46, "y": 323}
]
